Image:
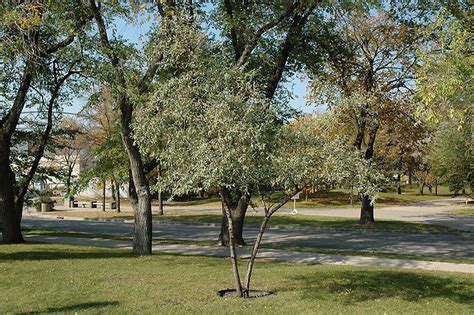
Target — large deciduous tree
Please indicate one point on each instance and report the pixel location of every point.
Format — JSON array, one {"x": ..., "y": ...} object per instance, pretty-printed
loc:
[
  {"x": 370, "y": 60},
  {"x": 262, "y": 37},
  {"x": 129, "y": 86},
  {"x": 40, "y": 47}
]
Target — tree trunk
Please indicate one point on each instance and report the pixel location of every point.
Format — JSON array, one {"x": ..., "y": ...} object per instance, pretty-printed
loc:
[
  {"x": 399, "y": 175},
  {"x": 68, "y": 181},
  {"x": 112, "y": 188},
  {"x": 237, "y": 208},
  {"x": 421, "y": 186},
  {"x": 366, "y": 210},
  {"x": 160, "y": 203},
  {"x": 253, "y": 255},
  {"x": 366, "y": 207},
  {"x": 117, "y": 189},
  {"x": 103, "y": 195},
  {"x": 9, "y": 221},
  {"x": 399, "y": 185},
  {"x": 160, "y": 197},
  {"x": 436, "y": 187},
  {"x": 232, "y": 249}
]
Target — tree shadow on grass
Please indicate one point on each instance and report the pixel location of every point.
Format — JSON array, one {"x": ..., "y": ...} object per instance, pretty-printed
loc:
[
  {"x": 51, "y": 253},
  {"x": 356, "y": 286},
  {"x": 89, "y": 306}
]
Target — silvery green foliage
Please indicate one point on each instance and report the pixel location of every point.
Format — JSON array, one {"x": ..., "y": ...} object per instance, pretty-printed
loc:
[
  {"x": 309, "y": 156},
  {"x": 208, "y": 124},
  {"x": 210, "y": 127}
]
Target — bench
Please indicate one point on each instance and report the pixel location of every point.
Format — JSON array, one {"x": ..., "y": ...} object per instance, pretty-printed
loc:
[
  {"x": 108, "y": 205},
  {"x": 84, "y": 204}
]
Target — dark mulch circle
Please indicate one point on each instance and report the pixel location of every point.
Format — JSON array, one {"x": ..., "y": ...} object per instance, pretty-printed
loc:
[{"x": 253, "y": 293}]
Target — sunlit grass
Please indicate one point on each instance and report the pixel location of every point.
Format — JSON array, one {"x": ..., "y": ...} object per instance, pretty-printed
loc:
[{"x": 68, "y": 279}]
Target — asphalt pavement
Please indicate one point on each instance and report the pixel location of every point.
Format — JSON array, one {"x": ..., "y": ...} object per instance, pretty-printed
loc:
[{"x": 449, "y": 245}]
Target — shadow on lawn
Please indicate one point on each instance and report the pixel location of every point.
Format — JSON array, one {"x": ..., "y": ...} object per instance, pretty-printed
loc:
[
  {"x": 356, "y": 286},
  {"x": 55, "y": 254},
  {"x": 75, "y": 307}
]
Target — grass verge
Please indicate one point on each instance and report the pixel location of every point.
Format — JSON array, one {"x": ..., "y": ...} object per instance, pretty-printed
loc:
[{"x": 44, "y": 278}]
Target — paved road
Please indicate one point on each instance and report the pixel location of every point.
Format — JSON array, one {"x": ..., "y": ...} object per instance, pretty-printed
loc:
[{"x": 445, "y": 245}]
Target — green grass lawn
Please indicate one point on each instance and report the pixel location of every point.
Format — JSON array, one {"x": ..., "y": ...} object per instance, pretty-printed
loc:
[
  {"x": 336, "y": 198},
  {"x": 333, "y": 199},
  {"x": 38, "y": 278}
]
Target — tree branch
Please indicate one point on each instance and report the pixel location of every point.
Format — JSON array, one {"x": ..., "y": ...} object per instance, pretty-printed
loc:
[{"x": 249, "y": 47}]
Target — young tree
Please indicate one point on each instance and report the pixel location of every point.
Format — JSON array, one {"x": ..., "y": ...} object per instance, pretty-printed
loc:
[
  {"x": 452, "y": 158},
  {"x": 37, "y": 56},
  {"x": 220, "y": 131},
  {"x": 110, "y": 159}
]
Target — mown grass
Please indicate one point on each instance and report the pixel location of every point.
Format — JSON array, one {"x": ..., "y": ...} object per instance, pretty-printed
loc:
[
  {"x": 37, "y": 278},
  {"x": 336, "y": 198},
  {"x": 276, "y": 220}
]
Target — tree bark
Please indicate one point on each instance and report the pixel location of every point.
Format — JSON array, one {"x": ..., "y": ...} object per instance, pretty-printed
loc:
[
  {"x": 160, "y": 197},
  {"x": 366, "y": 210},
  {"x": 294, "y": 32},
  {"x": 253, "y": 255},
  {"x": 232, "y": 249},
  {"x": 9, "y": 222},
  {"x": 117, "y": 189},
  {"x": 366, "y": 207},
  {"x": 103, "y": 195},
  {"x": 237, "y": 206},
  {"x": 421, "y": 186}
]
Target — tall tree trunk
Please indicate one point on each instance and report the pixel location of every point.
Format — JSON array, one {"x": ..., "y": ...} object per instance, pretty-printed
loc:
[
  {"x": 160, "y": 197},
  {"x": 103, "y": 195},
  {"x": 399, "y": 175},
  {"x": 9, "y": 222},
  {"x": 160, "y": 203},
  {"x": 112, "y": 188},
  {"x": 117, "y": 189},
  {"x": 142, "y": 234},
  {"x": 237, "y": 207}
]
